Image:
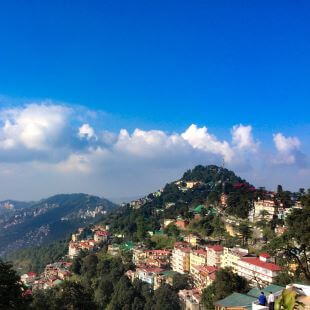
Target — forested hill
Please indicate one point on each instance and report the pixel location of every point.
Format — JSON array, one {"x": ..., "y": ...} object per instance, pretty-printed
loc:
[
  {"x": 49, "y": 219},
  {"x": 202, "y": 185},
  {"x": 211, "y": 174}
]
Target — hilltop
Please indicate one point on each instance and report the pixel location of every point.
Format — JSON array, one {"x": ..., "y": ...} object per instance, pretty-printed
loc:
[
  {"x": 203, "y": 185},
  {"x": 48, "y": 220}
]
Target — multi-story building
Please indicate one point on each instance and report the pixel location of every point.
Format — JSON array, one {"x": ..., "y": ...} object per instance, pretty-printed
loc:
[
  {"x": 101, "y": 236},
  {"x": 138, "y": 255},
  {"x": 203, "y": 275},
  {"x": 180, "y": 260},
  {"x": 214, "y": 255},
  {"x": 165, "y": 277},
  {"x": 263, "y": 208},
  {"x": 74, "y": 249},
  {"x": 231, "y": 257},
  {"x": 197, "y": 258},
  {"x": 258, "y": 269},
  {"x": 147, "y": 274}
]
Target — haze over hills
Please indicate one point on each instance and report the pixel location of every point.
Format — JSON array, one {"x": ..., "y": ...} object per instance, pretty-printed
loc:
[
  {"x": 7, "y": 206},
  {"x": 28, "y": 224}
]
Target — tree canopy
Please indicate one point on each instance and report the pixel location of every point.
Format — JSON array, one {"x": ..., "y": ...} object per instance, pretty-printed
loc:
[
  {"x": 12, "y": 292},
  {"x": 225, "y": 283}
]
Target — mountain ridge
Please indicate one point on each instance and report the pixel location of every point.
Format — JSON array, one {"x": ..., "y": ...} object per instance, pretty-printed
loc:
[{"x": 49, "y": 219}]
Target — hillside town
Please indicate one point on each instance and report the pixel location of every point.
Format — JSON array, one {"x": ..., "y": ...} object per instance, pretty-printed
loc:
[{"x": 195, "y": 256}]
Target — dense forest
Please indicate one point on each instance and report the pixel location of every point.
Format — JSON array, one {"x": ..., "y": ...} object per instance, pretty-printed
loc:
[{"x": 36, "y": 258}]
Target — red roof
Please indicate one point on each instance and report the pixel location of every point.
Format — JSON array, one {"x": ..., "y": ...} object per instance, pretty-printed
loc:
[
  {"x": 26, "y": 293},
  {"x": 257, "y": 262},
  {"x": 185, "y": 250},
  {"x": 201, "y": 252},
  {"x": 31, "y": 274},
  {"x": 265, "y": 255},
  {"x": 217, "y": 248},
  {"x": 102, "y": 233},
  {"x": 238, "y": 185},
  {"x": 207, "y": 269},
  {"x": 151, "y": 269},
  {"x": 158, "y": 252}
]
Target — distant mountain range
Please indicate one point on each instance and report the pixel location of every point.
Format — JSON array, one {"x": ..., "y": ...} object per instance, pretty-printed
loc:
[{"x": 26, "y": 224}]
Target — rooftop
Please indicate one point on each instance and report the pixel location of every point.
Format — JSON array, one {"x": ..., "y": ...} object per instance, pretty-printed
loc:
[
  {"x": 257, "y": 262},
  {"x": 237, "y": 300},
  {"x": 216, "y": 248},
  {"x": 255, "y": 292}
]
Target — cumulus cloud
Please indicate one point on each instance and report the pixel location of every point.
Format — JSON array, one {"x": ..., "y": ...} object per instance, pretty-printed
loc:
[
  {"x": 62, "y": 148},
  {"x": 35, "y": 127},
  {"x": 286, "y": 144},
  {"x": 201, "y": 139},
  {"x": 242, "y": 138},
  {"x": 87, "y": 132},
  {"x": 148, "y": 143},
  {"x": 287, "y": 149}
]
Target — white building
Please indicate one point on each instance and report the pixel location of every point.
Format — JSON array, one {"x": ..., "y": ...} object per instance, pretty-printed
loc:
[
  {"x": 74, "y": 249},
  {"x": 231, "y": 256},
  {"x": 263, "y": 206},
  {"x": 101, "y": 236},
  {"x": 180, "y": 259},
  {"x": 214, "y": 255},
  {"x": 258, "y": 269}
]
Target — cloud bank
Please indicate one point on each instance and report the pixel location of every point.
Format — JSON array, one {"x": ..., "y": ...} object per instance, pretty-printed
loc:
[{"x": 47, "y": 148}]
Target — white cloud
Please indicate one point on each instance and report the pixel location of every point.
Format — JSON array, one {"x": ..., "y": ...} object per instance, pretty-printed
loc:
[
  {"x": 148, "y": 143},
  {"x": 200, "y": 138},
  {"x": 35, "y": 127},
  {"x": 287, "y": 149},
  {"x": 286, "y": 144},
  {"x": 75, "y": 163},
  {"x": 87, "y": 132},
  {"x": 243, "y": 139},
  {"x": 60, "y": 149}
]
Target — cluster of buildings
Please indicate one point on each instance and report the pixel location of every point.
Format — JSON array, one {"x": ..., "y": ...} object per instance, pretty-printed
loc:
[
  {"x": 271, "y": 207},
  {"x": 78, "y": 243},
  {"x": 53, "y": 275},
  {"x": 201, "y": 263}
]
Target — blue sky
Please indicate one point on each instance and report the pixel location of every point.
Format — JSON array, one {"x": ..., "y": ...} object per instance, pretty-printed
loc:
[{"x": 160, "y": 65}]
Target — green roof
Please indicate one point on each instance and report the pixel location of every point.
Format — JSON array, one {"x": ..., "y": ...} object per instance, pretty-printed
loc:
[
  {"x": 58, "y": 282},
  {"x": 199, "y": 208},
  {"x": 255, "y": 292},
  {"x": 169, "y": 273},
  {"x": 158, "y": 232},
  {"x": 127, "y": 246},
  {"x": 212, "y": 210},
  {"x": 237, "y": 300}
]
